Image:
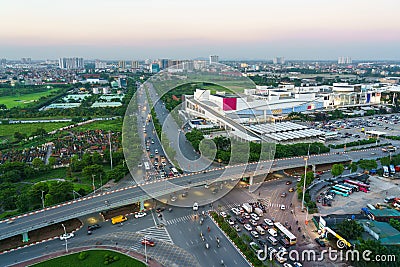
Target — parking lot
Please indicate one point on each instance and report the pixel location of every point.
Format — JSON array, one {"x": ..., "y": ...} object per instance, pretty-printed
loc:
[
  {"x": 380, "y": 188},
  {"x": 350, "y": 130}
]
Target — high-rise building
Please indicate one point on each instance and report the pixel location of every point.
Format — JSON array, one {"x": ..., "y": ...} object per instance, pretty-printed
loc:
[
  {"x": 3, "y": 62},
  {"x": 163, "y": 63},
  {"x": 135, "y": 64},
  {"x": 154, "y": 68},
  {"x": 100, "y": 64},
  {"x": 344, "y": 60},
  {"x": 71, "y": 63},
  {"x": 122, "y": 64},
  {"x": 26, "y": 60},
  {"x": 278, "y": 60},
  {"x": 214, "y": 59}
]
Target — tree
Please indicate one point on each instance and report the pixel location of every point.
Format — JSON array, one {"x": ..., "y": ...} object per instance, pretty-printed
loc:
[
  {"x": 385, "y": 161},
  {"x": 52, "y": 161},
  {"x": 94, "y": 169},
  {"x": 367, "y": 164},
  {"x": 96, "y": 158},
  {"x": 19, "y": 136},
  {"x": 37, "y": 163},
  {"x": 337, "y": 169},
  {"x": 350, "y": 229},
  {"x": 35, "y": 193},
  {"x": 353, "y": 167}
]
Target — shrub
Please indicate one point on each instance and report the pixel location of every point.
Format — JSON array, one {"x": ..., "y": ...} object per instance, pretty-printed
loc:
[{"x": 83, "y": 255}]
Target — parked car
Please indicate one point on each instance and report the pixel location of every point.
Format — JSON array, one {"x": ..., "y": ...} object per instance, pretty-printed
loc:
[
  {"x": 254, "y": 234},
  {"x": 230, "y": 221},
  {"x": 254, "y": 216},
  {"x": 253, "y": 222},
  {"x": 241, "y": 220},
  {"x": 223, "y": 214},
  {"x": 269, "y": 222},
  {"x": 237, "y": 228}
]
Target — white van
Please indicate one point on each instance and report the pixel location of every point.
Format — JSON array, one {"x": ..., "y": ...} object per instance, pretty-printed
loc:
[
  {"x": 272, "y": 240},
  {"x": 260, "y": 230},
  {"x": 272, "y": 232}
]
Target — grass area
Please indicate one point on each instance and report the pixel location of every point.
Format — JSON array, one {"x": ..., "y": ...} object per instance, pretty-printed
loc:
[
  {"x": 7, "y": 130},
  {"x": 93, "y": 258},
  {"x": 24, "y": 100},
  {"x": 110, "y": 125},
  {"x": 59, "y": 173}
]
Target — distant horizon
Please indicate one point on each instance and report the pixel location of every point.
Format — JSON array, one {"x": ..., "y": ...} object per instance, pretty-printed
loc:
[
  {"x": 203, "y": 58},
  {"x": 299, "y": 29}
]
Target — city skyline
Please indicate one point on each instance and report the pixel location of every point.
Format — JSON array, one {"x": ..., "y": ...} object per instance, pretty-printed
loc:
[{"x": 124, "y": 29}]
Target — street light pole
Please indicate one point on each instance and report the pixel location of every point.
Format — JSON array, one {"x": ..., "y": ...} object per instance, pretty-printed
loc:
[
  {"x": 42, "y": 200},
  {"x": 305, "y": 177},
  {"x": 94, "y": 187},
  {"x": 66, "y": 240},
  {"x": 145, "y": 247}
]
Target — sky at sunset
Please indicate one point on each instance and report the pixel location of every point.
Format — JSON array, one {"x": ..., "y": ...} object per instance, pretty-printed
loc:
[{"x": 139, "y": 29}]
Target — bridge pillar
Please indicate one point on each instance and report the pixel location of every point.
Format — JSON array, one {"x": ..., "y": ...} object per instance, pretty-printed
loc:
[
  {"x": 314, "y": 167},
  {"x": 251, "y": 180},
  {"x": 141, "y": 204},
  {"x": 25, "y": 237}
]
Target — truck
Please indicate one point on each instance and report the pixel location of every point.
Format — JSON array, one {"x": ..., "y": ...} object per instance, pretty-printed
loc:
[
  {"x": 392, "y": 170},
  {"x": 259, "y": 212},
  {"x": 118, "y": 219},
  {"x": 385, "y": 171},
  {"x": 247, "y": 207}
]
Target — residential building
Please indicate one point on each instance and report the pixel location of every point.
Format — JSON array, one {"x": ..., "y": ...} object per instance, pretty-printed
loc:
[
  {"x": 214, "y": 59},
  {"x": 71, "y": 63}
]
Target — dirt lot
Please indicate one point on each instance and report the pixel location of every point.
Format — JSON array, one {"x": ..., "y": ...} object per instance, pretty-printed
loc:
[
  {"x": 40, "y": 234},
  {"x": 120, "y": 211}
]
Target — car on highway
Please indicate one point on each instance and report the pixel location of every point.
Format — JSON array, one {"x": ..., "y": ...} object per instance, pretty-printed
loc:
[
  {"x": 254, "y": 246},
  {"x": 237, "y": 228},
  {"x": 283, "y": 194},
  {"x": 66, "y": 236},
  {"x": 248, "y": 227},
  {"x": 235, "y": 211},
  {"x": 254, "y": 216},
  {"x": 196, "y": 206},
  {"x": 283, "y": 207},
  {"x": 241, "y": 220},
  {"x": 288, "y": 182},
  {"x": 174, "y": 198},
  {"x": 299, "y": 179},
  {"x": 253, "y": 222},
  {"x": 291, "y": 189},
  {"x": 231, "y": 221},
  {"x": 269, "y": 222},
  {"x": 93, "y": 227},
  {"x": 140, "y": 215},
  {"x": 246, "y": 215},
  {"x": 148, "y": 242},
  {"x": 160, "y": 209},
  {"x": 156, "y": 151},
  {"x": 254, "y": 234},
  {"x": 223, "y": 214}
]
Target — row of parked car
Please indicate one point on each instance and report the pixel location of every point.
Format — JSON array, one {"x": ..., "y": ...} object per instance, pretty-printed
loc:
[{"x": 258, "y": 226}]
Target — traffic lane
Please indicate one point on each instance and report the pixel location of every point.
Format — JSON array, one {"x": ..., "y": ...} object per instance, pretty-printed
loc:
[{"x": 187, "y": 236}]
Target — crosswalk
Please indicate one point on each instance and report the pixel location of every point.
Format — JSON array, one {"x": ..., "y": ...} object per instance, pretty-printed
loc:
[
  {"x": 189, "y": 217},
  {"x": 266, "y": 202},
  {"x": 159, "y": 233}
]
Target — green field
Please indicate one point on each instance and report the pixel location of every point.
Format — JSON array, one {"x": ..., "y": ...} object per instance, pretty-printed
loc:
[
  {"x": 95, "y": 258},
  {"x": 111, "y": 125},
  {"x": 7, "y": 130},
  {"x": 23, "y": 100}
]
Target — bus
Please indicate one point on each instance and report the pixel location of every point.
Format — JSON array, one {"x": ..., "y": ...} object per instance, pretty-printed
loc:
[
  {"x": 175, "y": 172},
  {"x": 385, "y": 171},
  {"x": 288, "y": 235},
  {"x": 355, "y": 188},
  {"x": 340, "y": 189},
  {"x": 371, "y": 207},
  {"x": 339, "y": 193},
  {"x": 361, "y": 186},
  {"x": 345, "y": 188},
  {"x": 147, "y": 166},
  {"x": 349, "y": 187}
]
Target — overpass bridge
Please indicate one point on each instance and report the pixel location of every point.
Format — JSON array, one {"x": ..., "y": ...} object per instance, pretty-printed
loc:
[{"x": 25, "y": 223}]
